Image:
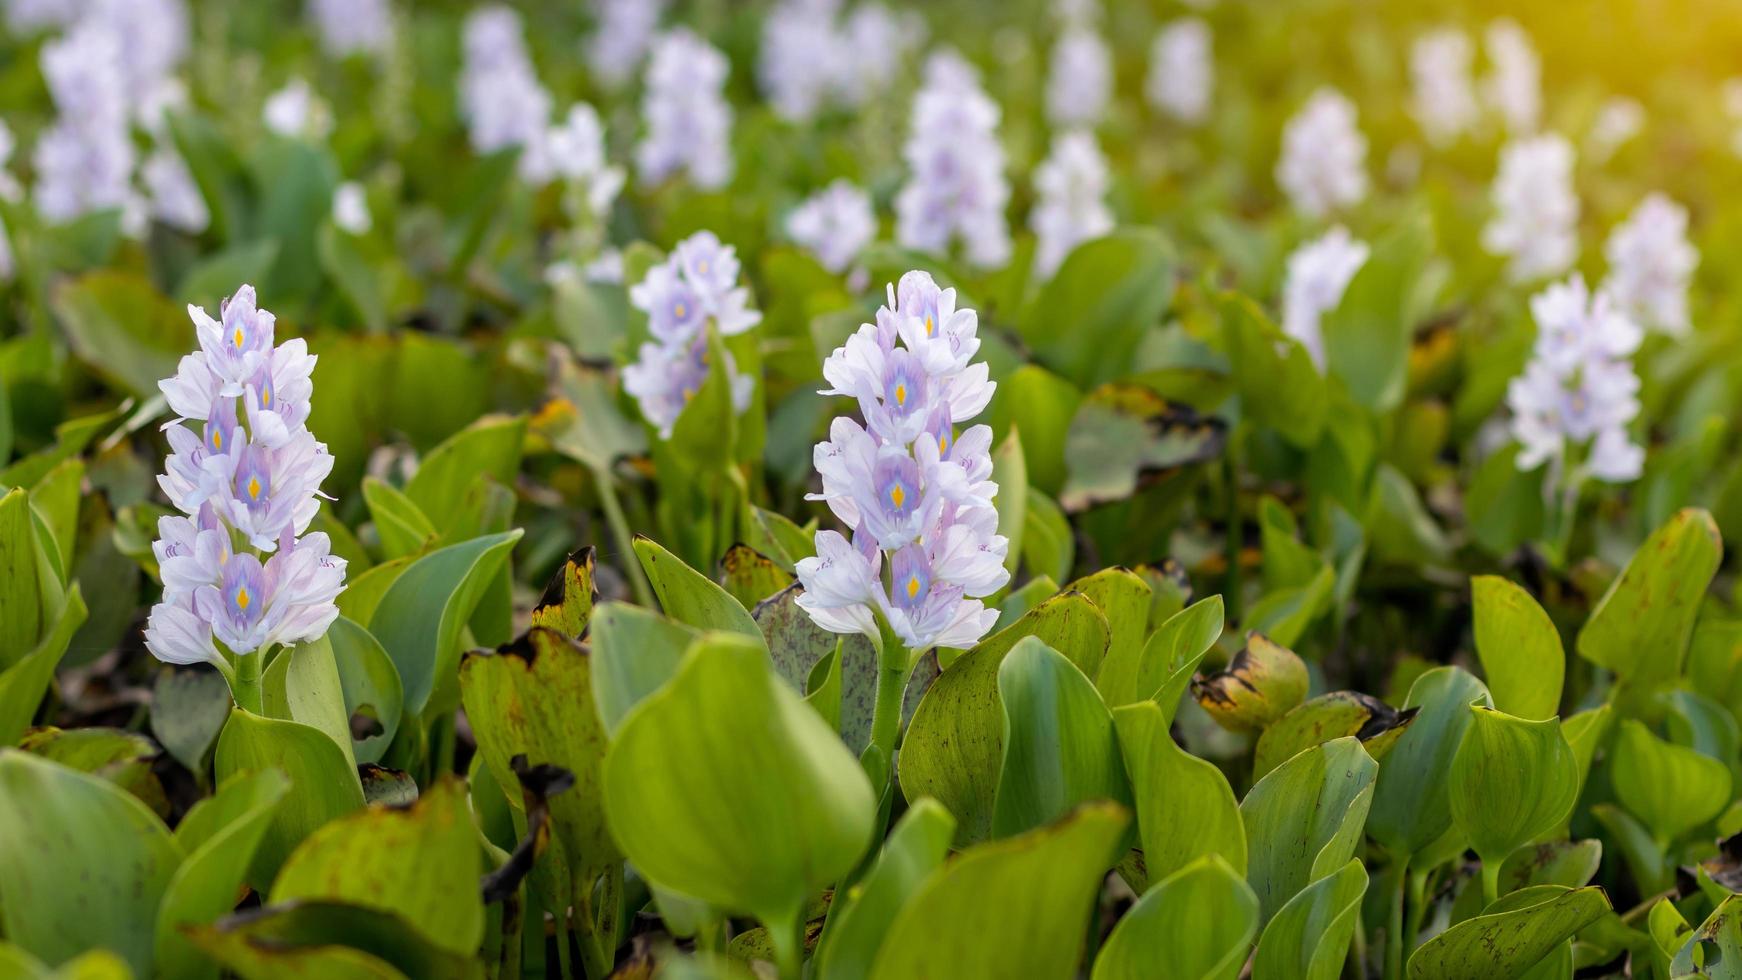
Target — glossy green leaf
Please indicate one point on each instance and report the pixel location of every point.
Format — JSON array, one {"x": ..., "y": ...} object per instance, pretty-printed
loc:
[
  {"x": 534, "y": 698},
  {"x": 489, "y": 447},
  {"x": 1125, "y": 436},
  {"x": 328, "y": 941},
  {"x": 188, "y": 709},
  {"x": 1049, "y": 546},
  {"x": 324, "y": 783},
  {"x": 635, "y": 651},
  {"x": 1180, "y": 641},
  {"x": 1511, "y": 781},
  {"x": 1519, "y": 647},
  {"x": 422, "y": 613},
  {"x": 1308, "y": 939},
  {"x": 1367, "y": 335},
  {"x": 1304, "y": 820},
  {"x": 690, "y": 597},
  {"x": 1670, "y": 788},
  {"x": 1411, "y": 802},
  {"x": 404, "y": 529},
  {"x": 1060, "y": 749},
  {"x": 915, "y": 849},
  {"x": 59, "y": 827},
  {"x": 954, "y": 748},
  {"x": 1089, "y": 318},
  {"x": 1185, "y": 808},
  {"x": 1197, "y": 924},
  {"x": 1509, "y": 937},
  {"x": 1641, "y": 627},
  {"x": 1123, "y": 598},
  {"x": 26, "y": 680},
  {"x": 1013, "y": 907},
  {"x": 421, "y": 862},
  {"x": 370, "y": 684},
  {"x": 769, "y": 806},
  {"x": 1280, "y": 386},
  {"x": 219, "y": 836},
  {"x": 302, "y": 684},
  {"x": 21, "y": 593}
]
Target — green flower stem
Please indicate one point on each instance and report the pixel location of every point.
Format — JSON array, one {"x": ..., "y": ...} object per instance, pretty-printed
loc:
[
  {"x": 625, "y": 541},
  {"x": 893, "y": 663},
  {"x": 1418, "y": 892},
  {"x": 245, "y": 686},
  {"x": 1394, "y": 941},
  {"x": 1490, "y": 881}
]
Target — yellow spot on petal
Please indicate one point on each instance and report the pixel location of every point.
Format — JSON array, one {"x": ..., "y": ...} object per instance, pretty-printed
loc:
[
  {"x": 912, "y": 586},
  {"x": 681, "y": 311},
  {"x": 702, "y": 267},
  {"x": 943, "y": 444},
  {"x": 242, "y": 598},
  {"x": 218, "y": 440},
  {"x": 253, "y": 488},
  {"x": 897, "y": 495},
  {"x": 238, "y": 336},
  {"x": 266, "y": 398},
  {"x": 901, "y": 395},
  {"x": 931, "y": 327}
]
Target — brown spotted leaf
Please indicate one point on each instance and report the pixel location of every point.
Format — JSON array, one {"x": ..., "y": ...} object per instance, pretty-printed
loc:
[
  {"x": 1262, "y": 683},
  {"x": 1124, "y": 437}
]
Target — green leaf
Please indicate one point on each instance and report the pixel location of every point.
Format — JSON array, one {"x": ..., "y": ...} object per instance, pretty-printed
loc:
[
  {"x": 1060, "y": 748},
  {"x": 1125, "y": 436},
  {"x": 357, "y": 280},
  {"x": 915, "y": 849},
  {"x": 1197, "y": 924},
  {"x": 954, "y": 748},
  {"x": 21, "y": 592},
  {"x": 567, "y": 603},
  {"x": 582, "y": 420},
  {"x": 489, "y": 447},
  {"x": 1263, "y": 682},
  {"x": 690, "y": 597},
  {"x": 1124, "y": 599},
  {"x": 324, "y": 784},
  {"x": 219, "y": 835},
  {"x": 1641, "y": 627},
  {"x": 1412, "y": 801},
  {"x": 208, "y": 281},
  {"x": 1280, "y": 387},
  {"x": 534, "y": 698},
  {"x": 1014, "y": 907},
  {"x": 768, "y": 808},
  {"x": 1670, "y": 788},
  {"x": 302, "y": 684},
  {"x": 1367, "y": 335},
  {"x": 1185, "y": 808},
  {"x": 421, "y": 862},
  {"x": 1304, "y": 819},
  {"x": 1179, "y": 643},
  {"x": 188, "y": 709},
  {"x": 55, "y": 499},
  {"x": 1715, "y": 946},
  {"x": 1309, "y": 937},
  {"x": 123, "y": 328},
  {"x": 371, "y": 687},
  {"x": 403, "y": 528},
  {"x": 1334, "y": 715},
  {"x": 82, "y": 863},
  {"x": 1049, "y": 547},
  {"x": 750, "y": 576},
  {"x": 1510, "y": 937},
  {"x": 635, "y": 651},
  {"x": 328, "y": 940},
  {"x": 420, "y": 617},
  {"x": 1041, "y": 405},
  {"x": 1010, "y": 473},
  {"x": 23, "y": 682},
  {"x": 1088, "y": 320},
  {"x": 1519, "y": 647},
  {"x": 1512, "y": 780}
]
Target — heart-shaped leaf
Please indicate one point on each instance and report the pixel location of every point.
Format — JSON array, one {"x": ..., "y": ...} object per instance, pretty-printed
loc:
[
  {"x": 1185, "y": 808},
  {"x": 1520, "y": 649},
  {"x": 1509, "y": 937},
  {"x": 1641, "y": 627},
  {"x": 1304, "y": 820},
  {"x": 1197, "y": 924},
  {"x": 1309, "y": 937},
  {"x": 1512, "y": 780},
  {"x": 1670, "y": 788}
]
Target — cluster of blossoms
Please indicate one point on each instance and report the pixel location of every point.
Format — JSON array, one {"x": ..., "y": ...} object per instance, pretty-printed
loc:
[
  {"x": 500, "y": 95},
  {"x": 1650, "y": 264},
  {"x": 111, "y": 70},
  {"x": 1514, "y": 83},
  {"x": 247, "y": 485},
  {"x": 697, "y": 284},
  {"x": 834, "y": 224},
  {"x": 811, "y": 57},
  {"x": 1318, "y": 274},
  {"x": 29, "y": 16},
  {"x": 906, "y": 484},
  {"x": 1579, "y": 386},
  {"x": 1182, "y": 70},
  {"x": 1536, "y": 211},
  {"x": 1323, "y": 156},
  {"x": 1080, "y": 78},
  {"x": 956, "y": 187},
  {"x": 1444, "y": 91},
  {"x": 689, "y": 123},
  {"x": 348, "y": 27},
  {"x": 624, "y": 32},
  {"x": 1070, "y": 188}
]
